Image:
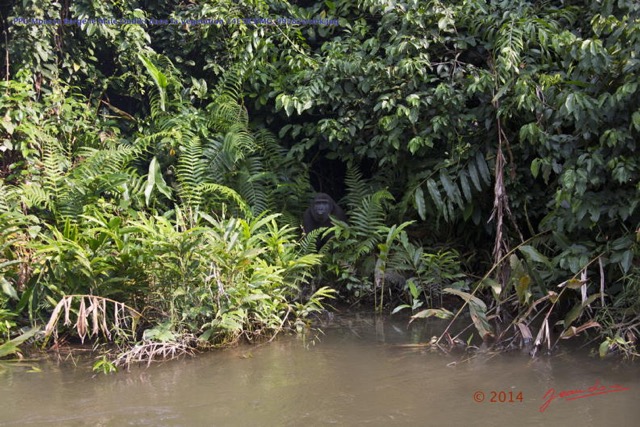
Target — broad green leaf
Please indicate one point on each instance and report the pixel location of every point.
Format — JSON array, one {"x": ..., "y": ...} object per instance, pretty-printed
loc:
[
  {"x": 159, "y": 79},
  {"x": 479, "y": 318},
  {"x": 532, "y": 254},
  {"x": 523, "y": 289},
  {"x": 440, "y": 313},
  {"x": 478, "y": 311},
  {"x": 626, "y": 261},
  {"x": 635, "y": 118},
  {"x": 435, "y": 194},
  {"x": 7, "y": 124},
  {"x": 420, "y": 203},
  {"x": 577, "y": 310},
  {"x": 8, "y": 289},
  {"x": 400, "y": 307},
  {"x": 569, "y": 103},
  {"x": 413, "y": 289},
  {"x": 466, "y": 296},
  {"x": 495, "y": 286},
  {"x": 483, "y": 168},
  {"x": 466, "y": 189},
  {"x": 11, "y": 347},
  {"x": 451, "y": 189},
  {"x": 604, "y": 348},
  {"x": 256, "y": 297},
  {"x": 535, "y": 167},
  {"x": 473, "y": 173},
  {"x": 156, "y": 179}
]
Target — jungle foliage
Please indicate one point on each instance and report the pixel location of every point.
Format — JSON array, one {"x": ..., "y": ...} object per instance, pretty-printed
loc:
[{"x": 153, "y": 174}]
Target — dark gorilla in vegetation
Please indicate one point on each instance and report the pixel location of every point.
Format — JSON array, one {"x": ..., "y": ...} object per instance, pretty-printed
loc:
[{"x": 317, "y": 215}]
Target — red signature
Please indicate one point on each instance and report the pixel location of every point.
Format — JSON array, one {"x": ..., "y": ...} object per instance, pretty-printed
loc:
[{"x": 594, "y": 390}]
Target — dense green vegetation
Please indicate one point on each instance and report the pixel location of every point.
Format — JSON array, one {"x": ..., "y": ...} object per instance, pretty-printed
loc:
[{"x": 154, "y": 173}]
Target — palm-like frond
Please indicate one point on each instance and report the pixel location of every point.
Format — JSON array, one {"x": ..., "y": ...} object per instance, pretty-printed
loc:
[
  {"x": 8, "y": 196},
  {"x": 367, "y": 220},
  {"x": 308, "y": 242},
  {"x": 190, "y": 172},
  {"x": 357, "y": 187},
  {"x": 227, "y": 193}
]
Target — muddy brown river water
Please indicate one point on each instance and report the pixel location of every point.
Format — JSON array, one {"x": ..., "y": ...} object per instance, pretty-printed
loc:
[{"x": 359, "y": 373}]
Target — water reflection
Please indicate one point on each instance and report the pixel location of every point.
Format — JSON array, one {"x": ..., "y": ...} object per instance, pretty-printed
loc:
[{"x": 360, "y": 372}]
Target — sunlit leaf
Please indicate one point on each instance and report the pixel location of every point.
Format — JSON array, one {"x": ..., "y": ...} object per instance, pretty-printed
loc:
[
  {"x": 573, "y": 331},
  {"x": 8, "y": 289},
  {"x": 496, "y": 287},
  {"x": 400, "y": 307},
  {"x": 440, "y": 313},
  {"x": 604, "y": 348},
  {"x": 572, "y": 283},
  {"x": 158, "y": 77},
  {"x": 12, "y": 346},
  {"x": 522, "y": 289},
  {"x": 155, "y": 179}
]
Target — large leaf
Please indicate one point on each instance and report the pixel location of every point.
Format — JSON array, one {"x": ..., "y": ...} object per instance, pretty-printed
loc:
[
  {"x": 155, "y": 179},
  {"x": 11, "y": 347},
  {"x": 477, "y": 310},
  {"x": 435, "y": 195},
  {"x": 7, "y": 288},
  {"x": 577, "y": 310},
  {"x": 532, "y": 254},
  {"x": 159, "y": 79},
  {"x": 440, "y": 313},
  {"x": 420, "y": 203}
]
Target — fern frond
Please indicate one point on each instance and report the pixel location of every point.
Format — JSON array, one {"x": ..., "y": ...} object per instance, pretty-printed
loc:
[
  {"x": 55, "y": 164},
  {"x": 132, "y": 190},
  {"x": 231, "y": 83},
  {"x": 268, "y": 143},
  {"x": 190, "y": 172},
  {"x": 9, "y": 195},
  {"x": 251, "y": 184},
  {"x": 239, "y": 140},
  {"x": 509, "y": 46},
  {"x": 370, "y": 213},
  {"x": 227, "y": 193},
  {"x": 98, "y": 162},
  {"x": 367, "y": 221},
  {"x": 70, "y": 205},
  {"x": 357, "y": 188},
  {"x": 218, "y": 161},
  {"x": 143, "y": 142},
  {"x": 308, "y": 242},
  {"x": 226, "y": 111}
]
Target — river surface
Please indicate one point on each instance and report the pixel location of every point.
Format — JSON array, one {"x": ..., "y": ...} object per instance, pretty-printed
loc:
[{"x": 364, "y": 371}]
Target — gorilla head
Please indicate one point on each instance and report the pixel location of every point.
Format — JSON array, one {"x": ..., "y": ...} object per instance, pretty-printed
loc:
[
  {"x": 317, "y": 215},
  {"x": 322, "y": 207}
]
